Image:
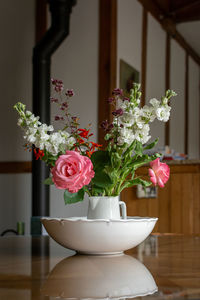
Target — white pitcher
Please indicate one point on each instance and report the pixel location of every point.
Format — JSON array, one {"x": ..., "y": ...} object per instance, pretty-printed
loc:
[{"x": 106, "y": 208}]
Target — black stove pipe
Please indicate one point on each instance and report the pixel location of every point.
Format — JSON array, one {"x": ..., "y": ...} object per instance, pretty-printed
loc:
[{"x": 59, "y": 30}]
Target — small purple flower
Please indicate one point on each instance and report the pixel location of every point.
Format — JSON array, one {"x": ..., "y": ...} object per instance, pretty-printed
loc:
[
  {"x": 126, "y": 99},
  {"x": 53, "y": 81},
  {"x": 53, "y": 100},
  {"x": 58, "y": 85},
  {"x": 111, "y": 99},
  {"x": 118, "y": 112},
  {"x": 110, "y": 127},
  {"x": 104, "y": 124},
  {"x": 117, "y": 92},
  {"x": 60, "y": 82},
  {"x": 69, "y": 93},
  {"x": 57, "y": 118},
  {"x": 64, "y": 105}
]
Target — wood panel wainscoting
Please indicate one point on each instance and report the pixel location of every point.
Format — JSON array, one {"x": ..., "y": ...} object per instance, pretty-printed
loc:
[
  {"x": 13, "y": 167},
  {"x": 177, "y": 205}
]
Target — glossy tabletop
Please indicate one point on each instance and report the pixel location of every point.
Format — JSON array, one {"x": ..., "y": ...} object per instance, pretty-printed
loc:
[{"x": 163, "y": 267}]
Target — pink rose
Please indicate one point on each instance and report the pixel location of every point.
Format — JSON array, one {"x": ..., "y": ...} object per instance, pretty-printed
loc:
[
  {"x": 72, "y": 171},
  {"x": 159, "y": 172}
]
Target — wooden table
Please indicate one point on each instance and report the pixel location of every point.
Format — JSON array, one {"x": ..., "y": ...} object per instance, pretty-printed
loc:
[{"x": 38, "y": 268}]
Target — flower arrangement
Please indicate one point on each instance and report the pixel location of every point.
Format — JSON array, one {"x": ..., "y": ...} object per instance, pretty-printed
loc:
[{"x": 80, "y": 166}]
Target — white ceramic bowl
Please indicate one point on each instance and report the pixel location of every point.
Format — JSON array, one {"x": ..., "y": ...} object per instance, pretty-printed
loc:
[
  {"x": 99, "y": 277},
  {"x": 99, "y": 236}
]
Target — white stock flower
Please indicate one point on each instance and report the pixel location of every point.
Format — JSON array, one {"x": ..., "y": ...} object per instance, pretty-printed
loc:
[
  {"x": 165, "y": 101},
  {"x": 142, "y": 135},
  {"x": 138, "y": 101},
  {"x": 154, "y": 102},
  {"x": 59, "y": 140},
  {"x": 56, "y": 138},
  {"x": 70, "y": 142},
  {"x": 31, "y": 138},
  {"x": 139, "y": 123},
  {"x": 45, "y": 128},
  {"x": 145, "y": 139},
  {"x": 42, "y": 135},
  {"x": 39, "y": 144},
  {"x": 50, "y": 128},
  {"x": 149, "y": 113},
  {"x": 19, "y": 122},
  {"x": 137, "y": 112},
  {"x": 126, "y": 136},
  {"x": 163, "y": 113},
  {"x": 31, "y": 135},
  {"x": 127, "y": 119},
  {"x": 122, "y": 104},
  {"x": 29, "y": 113},
  {"x": 52, "y": 148}
]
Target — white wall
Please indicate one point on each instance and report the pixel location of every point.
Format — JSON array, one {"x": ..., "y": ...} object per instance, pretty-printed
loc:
[
  {"x": 15, "y": 201},
  {"x": 177, "y": 83},
  {"x": 130, "y": 50},
  {"x": 17, "y": 40},
  {"x": 129, "y": 38},
  {"x": 76, "y": 63},
  {"x": 194, "y": 110},
  {"x": 155, "y": 76}
]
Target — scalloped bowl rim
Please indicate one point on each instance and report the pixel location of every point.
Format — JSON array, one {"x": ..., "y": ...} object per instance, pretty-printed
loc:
[{"x": 84, "y": 219}]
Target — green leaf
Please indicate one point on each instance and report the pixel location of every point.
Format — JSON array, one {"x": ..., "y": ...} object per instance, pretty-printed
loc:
[
  {"x": 138, "y": 149},
  {"x": 144, "y": 159},
  {"x": 70, "y": 198},
  {"x": 100, "y": 159},
  {"x": 136, "y": 181},
  {"x": 107, "y": 137},
  {"x": 102, "y": 179},
  {"x": 130, "y": 148},
  {"x": 143, "y": 182},
  {"x": 97, "y": 190},
  {"x": 114, "y": 174},
  {"x": 127, "y": 171},
  {"x": 48, "y": 181},
  {"x": 115, "y": 160},
  {"x": 150, "y": 146}
]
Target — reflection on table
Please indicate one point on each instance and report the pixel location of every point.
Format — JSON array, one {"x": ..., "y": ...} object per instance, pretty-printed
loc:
[
  {"x": 38, "y": 268},
  {"x": 99, "y": 277}
]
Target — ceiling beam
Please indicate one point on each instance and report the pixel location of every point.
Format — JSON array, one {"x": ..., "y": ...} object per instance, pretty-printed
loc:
[
  {"x": 170, "y": 27},
  {"x": 186, "y": 13},
  {"x": 189, "y": 17},
  {"x": 183, "y": 6}
]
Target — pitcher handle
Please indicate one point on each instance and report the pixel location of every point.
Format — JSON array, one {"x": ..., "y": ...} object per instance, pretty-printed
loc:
[{"x": 123, "y": 209}]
